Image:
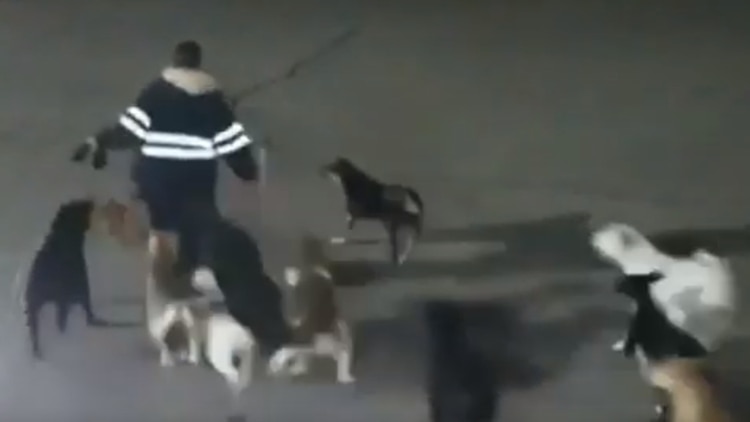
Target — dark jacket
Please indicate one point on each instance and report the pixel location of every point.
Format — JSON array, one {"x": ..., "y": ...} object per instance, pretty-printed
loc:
[{"x": 181, "y": 123}]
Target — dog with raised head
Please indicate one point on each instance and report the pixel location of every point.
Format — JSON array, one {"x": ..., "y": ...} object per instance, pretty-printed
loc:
[
  {"x": 314, "y": 316},
  {"x": 59, "y": 273},
  {"x": 697, "y": 292},
  {"x": 399, "y": 208},
  {"x": 171, "y": 303},
  {"x": 651, "y": 336},
  {"x": 692, "y": 397}
]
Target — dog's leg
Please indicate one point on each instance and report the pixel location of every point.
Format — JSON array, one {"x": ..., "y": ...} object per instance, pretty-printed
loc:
[
  {"x": 350, "y": 221},
  {"x": 32, "y": 322},
  {"x": 344, "y": 355},
  {"x": 247, "y": 357},
  {"x": 165, "y": 356},
  {"x": 63, "y": 311},
  {"x": 194, "y": 342},
  {"x": 159, "y": 331},
  {"x": 219, "y": 354},
  {"x": 391, "y": 228},
  {"x": 88, "y": 309}
]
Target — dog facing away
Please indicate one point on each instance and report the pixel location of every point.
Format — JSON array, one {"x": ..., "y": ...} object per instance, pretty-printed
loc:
[
  {"x": 650, "y": 333},
  {"x": 692, "y": 397},
  {"x": 171, "y": 302},
  {"x": 462, "y": 383},
  {"x": 399, "y": 208},
  {"x": 697, "y": 293},
  {"x": 58, "y": 273}
]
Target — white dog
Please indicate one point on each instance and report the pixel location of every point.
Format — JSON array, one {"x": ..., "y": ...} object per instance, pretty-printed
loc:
[
  {"x": 315, "y": 319},
  {"x": 224, "y": 338},
  {"x": 697, "y": 293},
  {"x": 170, "y": 301}
]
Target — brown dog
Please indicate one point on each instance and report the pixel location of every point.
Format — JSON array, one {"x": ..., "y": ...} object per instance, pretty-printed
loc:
[
  {"x": 692, "y": 398},
  {"x": 313, "y": 312}
]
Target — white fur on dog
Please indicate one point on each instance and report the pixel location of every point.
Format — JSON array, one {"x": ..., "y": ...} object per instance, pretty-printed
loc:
[
  {"x": 225, "y": 339},
  {"x": 175, "y": 312},
  {"x": 337, "y": 345},
  {"x": 697, "y": 293}
]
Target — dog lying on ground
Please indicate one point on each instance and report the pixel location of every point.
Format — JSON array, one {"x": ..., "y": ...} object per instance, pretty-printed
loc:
[
  {"x": 171, "y": 303},
  {"x": 692, "y": 397},
  {"x": 651, "y": 335},
  {"x": 398, "y": 207},
  {"x": 462, "y": 383},
  {"x": 697, "y": 293},
  {"x": 314, "y": 314},
  {"x": 58, "y": 272}
]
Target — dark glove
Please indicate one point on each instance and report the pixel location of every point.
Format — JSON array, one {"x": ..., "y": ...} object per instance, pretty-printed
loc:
[
  {"x": 81, "y": 152},
  {"x": 100, "y": 159}
]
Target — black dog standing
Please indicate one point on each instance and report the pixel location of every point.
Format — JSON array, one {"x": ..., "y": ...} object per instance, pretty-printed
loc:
[
  {"x": 397, "y": 207},
  {"x": 59, "y": 273}
]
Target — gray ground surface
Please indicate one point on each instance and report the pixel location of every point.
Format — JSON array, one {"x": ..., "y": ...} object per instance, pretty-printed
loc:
[{"x": 522, "y": 123}]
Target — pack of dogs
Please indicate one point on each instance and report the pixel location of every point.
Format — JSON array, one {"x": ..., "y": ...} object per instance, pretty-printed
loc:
[{"x": 230, "y": 319}]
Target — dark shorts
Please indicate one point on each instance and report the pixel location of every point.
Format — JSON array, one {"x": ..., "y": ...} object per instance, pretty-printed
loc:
[{"x": 190, "y": 214}]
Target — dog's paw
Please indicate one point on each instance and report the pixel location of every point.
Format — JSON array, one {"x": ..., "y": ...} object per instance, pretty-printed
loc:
[
  {"x": 166, "y": 360},
  {"x": 618, "y": 346},
  {"x": 345, "y": 379},
  {"x": 337, "y": 240}
]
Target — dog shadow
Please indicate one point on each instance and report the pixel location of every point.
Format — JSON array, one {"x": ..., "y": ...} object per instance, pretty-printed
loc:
[
  {"x": 393, "y": 354},
  {"x": 554, "y": 244},
  {"x": 559, "y": 242}
]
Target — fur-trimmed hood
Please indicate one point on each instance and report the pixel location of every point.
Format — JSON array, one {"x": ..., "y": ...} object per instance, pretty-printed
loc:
[{"x": 192, "y": 81}]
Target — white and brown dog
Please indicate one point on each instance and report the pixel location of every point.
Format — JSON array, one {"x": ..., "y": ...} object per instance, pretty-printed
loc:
[
  {"x": 314, "y": 315},
  {"x": 171, "y": 303}
]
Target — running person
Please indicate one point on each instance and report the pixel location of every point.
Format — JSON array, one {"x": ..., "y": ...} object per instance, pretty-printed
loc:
[{"x": 181, "y": 123}]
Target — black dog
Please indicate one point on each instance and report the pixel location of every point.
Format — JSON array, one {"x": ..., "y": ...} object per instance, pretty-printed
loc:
[
  {"x": 396, "y": 206},
  {"x": 462, "y": 383},
  {"x": 649, "y": 328},
  {"x": 58, "y": 272},
  {"x": 651, "y": 331}
]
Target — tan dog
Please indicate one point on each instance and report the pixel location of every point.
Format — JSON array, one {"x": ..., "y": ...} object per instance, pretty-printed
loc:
[
  {"x": 314, "y": 315},
  {"x": 121, "y": 221},
  {"x": 692, "y": 397},
  {"x": 171, "y": 302}
]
